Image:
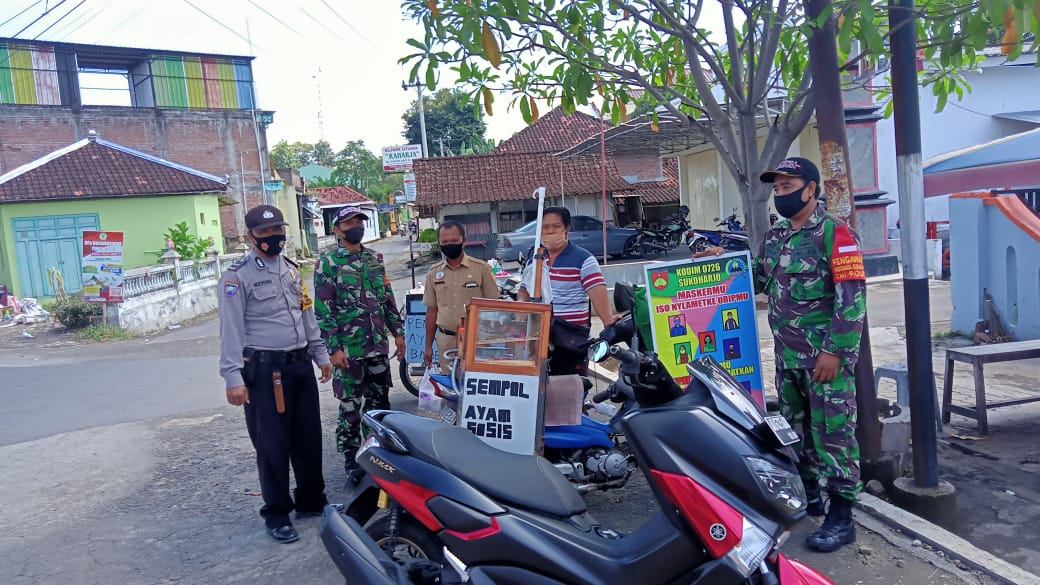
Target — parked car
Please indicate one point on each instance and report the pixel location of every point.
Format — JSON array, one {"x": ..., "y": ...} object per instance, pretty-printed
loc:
[{"x": 586, "y": 232}]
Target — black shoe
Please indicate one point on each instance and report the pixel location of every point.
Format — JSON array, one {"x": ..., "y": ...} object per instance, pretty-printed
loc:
[
  {"x": 284, "y": 534},
  {"x": 814, "y": 498},
  {"x": 837, "y": 529}
]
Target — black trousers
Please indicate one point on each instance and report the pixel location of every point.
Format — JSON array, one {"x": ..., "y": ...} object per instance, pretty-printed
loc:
[
  {"x": 292, "y": 437},
  {"x": 562, "y": 362}
]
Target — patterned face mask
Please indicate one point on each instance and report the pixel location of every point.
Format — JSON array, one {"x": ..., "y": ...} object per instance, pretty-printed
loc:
[{"x": 271, "y": 245}]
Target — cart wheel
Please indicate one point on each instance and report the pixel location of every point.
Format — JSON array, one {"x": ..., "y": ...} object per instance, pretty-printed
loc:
[{"x": 411, "y": 375}]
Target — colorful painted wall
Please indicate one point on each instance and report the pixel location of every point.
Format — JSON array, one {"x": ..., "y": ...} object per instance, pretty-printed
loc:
[
  {"x": 995, "y": 246},
  {"x": 144, "y": 220},
  {"x": 28, "y": 75}
]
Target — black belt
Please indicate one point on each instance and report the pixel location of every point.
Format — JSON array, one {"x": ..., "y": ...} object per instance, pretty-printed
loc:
[
  {"x": 269, "y": 356},
  {"x": 446, "y": 331}
]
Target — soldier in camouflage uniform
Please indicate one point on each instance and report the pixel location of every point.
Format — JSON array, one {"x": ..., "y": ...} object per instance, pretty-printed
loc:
[
  {"x": 811, "y": 268},
  {"x": 357, "y": 315}
]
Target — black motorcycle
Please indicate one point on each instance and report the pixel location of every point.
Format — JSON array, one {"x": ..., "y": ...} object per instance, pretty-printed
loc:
[
  {"x": 453, "y": 509},
  {"x": 658, "y": 242}
]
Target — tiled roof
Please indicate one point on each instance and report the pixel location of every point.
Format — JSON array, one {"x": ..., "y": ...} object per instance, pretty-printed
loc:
[
  {"x": 93, "y": 168},
  {"x": 553, "y": 132},
  {"x": 340, "y": 196},
  {"x": 508, "y": 177},
  {"x": 660, "y": 192}
]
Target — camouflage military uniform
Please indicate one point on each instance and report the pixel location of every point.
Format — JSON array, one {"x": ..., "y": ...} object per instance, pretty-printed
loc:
[
  {"x": 357, "y": 314},
  {"x": 816, "y": 285}
]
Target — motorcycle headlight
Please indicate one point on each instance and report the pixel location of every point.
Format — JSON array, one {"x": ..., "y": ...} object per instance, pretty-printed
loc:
[
  {"x": 752, "y": 549},
  {"x": 784, "y": 487}
]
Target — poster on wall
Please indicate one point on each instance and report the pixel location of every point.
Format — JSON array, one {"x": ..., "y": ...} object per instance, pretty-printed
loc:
[
  {"x": 103, "y": 267},
  {"x": 706, "y": 306}
]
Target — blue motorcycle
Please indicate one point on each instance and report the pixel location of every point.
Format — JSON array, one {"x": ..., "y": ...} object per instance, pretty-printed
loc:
[{"x": 732, "y": 238}]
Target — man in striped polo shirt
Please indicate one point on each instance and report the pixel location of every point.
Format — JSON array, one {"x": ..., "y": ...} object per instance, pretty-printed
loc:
[{"x": 576, "y": 279}]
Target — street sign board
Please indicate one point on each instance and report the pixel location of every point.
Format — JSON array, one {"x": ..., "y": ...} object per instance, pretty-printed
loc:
[
  {"x": 103, "y": 266},
  {"x": 398, "y": 159},
  {"x": 409, "y": 187},
  {"x": 399, "y": 199},
  {"x": 386, "y": 207}
]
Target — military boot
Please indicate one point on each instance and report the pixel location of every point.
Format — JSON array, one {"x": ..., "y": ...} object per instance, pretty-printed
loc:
[
  {"x": 837, "y": 529},
  {"x": 813, "y": 497},
  {"x": 352, "y": 469}
]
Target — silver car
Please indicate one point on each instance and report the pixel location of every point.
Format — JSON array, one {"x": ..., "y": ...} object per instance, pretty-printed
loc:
[{"x": 586, "y": 232}]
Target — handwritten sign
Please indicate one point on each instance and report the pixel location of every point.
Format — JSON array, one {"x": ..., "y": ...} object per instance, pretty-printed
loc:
[
  {"x": 415, "y": 329},
  {"x": 504, "y": 410},
  {"x": 706, "y": 306}
]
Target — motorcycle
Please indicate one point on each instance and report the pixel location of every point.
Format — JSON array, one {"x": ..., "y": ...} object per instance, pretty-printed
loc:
[
  {"x": 732, "y": 237},
  {"x": 591, "y": 454},
  {"x": 489, "y": 517},
  {"x": 667, "y": 238}
]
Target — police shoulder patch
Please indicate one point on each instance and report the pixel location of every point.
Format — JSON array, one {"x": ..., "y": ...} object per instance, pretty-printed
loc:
[
  {"x": 230, "y": 288},
  {"x": 238, "y": 264}
]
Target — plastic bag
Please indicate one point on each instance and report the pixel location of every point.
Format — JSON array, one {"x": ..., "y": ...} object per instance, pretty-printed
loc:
[
  {"x": 428, "y": 399},
  {"x": 528, "y": 280}
]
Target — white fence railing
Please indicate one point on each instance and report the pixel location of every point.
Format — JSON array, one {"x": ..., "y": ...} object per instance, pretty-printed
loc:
[{"x": 149, "y": 279}]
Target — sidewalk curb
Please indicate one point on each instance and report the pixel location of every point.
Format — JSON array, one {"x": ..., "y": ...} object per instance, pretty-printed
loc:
[
  {"x": 939, "y": 538},
  {"x": 950, "y": 544}
]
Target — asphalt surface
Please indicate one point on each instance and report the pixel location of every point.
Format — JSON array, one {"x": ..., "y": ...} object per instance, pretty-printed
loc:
[{"x": 123, "y": 464}]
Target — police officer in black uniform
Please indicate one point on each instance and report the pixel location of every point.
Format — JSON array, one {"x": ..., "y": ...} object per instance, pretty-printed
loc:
[{"x": 268, "y": 341}]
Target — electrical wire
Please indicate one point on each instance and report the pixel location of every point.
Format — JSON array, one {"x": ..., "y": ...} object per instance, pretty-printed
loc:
[
  {"x": 350, "y": 26},
  {"x": 39, "y": 18},
  {"x": 276, "y": 19},
  {"x": 320, "y": 23},
  {"x": 24, "y": 10},
  {"x": 61, "y": 18},
  {"x": 222, "y": 25}
]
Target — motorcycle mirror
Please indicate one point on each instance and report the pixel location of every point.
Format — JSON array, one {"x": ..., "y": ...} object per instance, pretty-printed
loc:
[
  {"x": 716, "y": 219},
  {"x": 598, "y": 351},
  {"x": 520, "y": 258}
]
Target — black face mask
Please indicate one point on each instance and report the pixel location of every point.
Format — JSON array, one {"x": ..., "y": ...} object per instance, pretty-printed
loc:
[
  {"x": 789, "y": 205},
  {"x": 271, "y": 245},
  {"x": 451, "y": 251},
  {"x": 354, "y": 235}
]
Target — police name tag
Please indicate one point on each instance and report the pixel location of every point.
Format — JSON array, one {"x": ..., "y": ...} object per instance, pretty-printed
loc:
[{"x": 783, "y": 431}]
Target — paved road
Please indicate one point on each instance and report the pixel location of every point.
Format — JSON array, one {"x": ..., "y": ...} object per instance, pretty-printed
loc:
[{"x": 123, "y": 464}]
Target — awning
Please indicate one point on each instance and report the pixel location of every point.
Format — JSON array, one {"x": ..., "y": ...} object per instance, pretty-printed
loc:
[
  {"x": 1009, "y": 162},
  {"x": 1031, "y": 116}
]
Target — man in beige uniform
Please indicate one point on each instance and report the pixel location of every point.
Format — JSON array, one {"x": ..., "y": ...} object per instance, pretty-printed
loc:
[{"x": 450, "y": 284}]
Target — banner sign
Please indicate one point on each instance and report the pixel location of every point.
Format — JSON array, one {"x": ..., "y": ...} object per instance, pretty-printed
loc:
[
  {"x": 415, "y": 329},
  {"x": 386, "y": 207},
  {"x": 501, "y": 409},
  {"x": 398, "y": 159},
  {"x": 103, "y": 267},
  {"x": 706, "y": 306},
  {"x": 409, "y": 187}
]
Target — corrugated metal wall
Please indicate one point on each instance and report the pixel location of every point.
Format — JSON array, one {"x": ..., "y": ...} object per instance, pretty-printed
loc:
[{"x": 28, "y": 75}]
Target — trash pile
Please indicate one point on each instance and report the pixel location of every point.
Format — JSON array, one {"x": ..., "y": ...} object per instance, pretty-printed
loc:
[{"x": 14, "y": 311}]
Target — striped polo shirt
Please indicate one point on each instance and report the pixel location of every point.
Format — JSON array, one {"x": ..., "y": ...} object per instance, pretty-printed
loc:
[{"x": 574, "y": 273}]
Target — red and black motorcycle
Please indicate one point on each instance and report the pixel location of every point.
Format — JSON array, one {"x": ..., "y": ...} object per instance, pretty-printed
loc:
[{"x": 722, "y": 472}]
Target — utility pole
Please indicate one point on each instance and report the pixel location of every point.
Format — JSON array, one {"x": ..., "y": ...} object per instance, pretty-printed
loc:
[
  {"x": 837, "y": 177},
  {"x": 422, "y": 114}
]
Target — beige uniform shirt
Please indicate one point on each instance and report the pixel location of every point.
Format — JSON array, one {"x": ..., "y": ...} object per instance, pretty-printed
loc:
[{"x": 450, "y": 289}]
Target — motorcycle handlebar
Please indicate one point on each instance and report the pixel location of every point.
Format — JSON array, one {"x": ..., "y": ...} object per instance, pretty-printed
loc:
[{"x": 602, "y": 396}]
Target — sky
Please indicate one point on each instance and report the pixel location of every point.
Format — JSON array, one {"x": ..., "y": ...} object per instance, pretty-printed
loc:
[{"x": 328, "y": 60}]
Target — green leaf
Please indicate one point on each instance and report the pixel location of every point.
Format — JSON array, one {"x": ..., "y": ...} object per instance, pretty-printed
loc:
[{"x": 525, "y": 109}]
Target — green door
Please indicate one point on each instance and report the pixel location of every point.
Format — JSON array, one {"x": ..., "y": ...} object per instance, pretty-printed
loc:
[{"x": 51, "y": 241}]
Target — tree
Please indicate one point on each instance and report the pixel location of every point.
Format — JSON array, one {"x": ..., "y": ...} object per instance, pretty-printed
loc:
[
  {"x": 284, "y": 156},
  {"x": 748, "y": 90},
  {"x": 452, "y": 124},
  {"x": 299, "y": 154},
  {"x": 356, "y": 166}
]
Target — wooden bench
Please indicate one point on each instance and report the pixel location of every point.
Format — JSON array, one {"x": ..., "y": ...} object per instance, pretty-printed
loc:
[{"x": 977, "y": 356}]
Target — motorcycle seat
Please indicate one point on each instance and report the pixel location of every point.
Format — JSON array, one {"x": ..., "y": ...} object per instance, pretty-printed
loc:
[{"x": 526, "y": 481}]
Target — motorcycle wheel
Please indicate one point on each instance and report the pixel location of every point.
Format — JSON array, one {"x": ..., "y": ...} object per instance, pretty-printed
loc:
[
  {"x": 407, "y": 372},
  {"x": 413, "y": 540},
  {"x": 700, "y": 245},
  {"x": 645, "y": 250}
]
